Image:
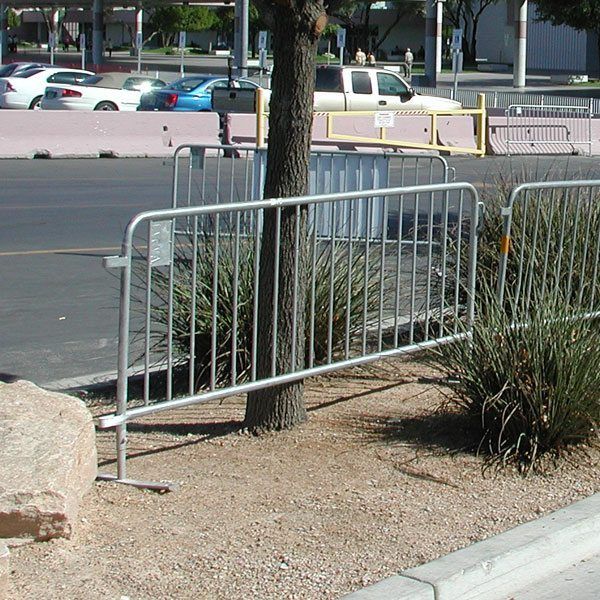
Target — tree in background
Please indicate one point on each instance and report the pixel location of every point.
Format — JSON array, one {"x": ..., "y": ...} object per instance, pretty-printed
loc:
[
  {"x": 358, "y": 16},
  {"x": 12, "y": 19},
  {"x": 168, "y": 21},
  {"x": 465, "y": 15},
  {"x": 583, "y": 15}
]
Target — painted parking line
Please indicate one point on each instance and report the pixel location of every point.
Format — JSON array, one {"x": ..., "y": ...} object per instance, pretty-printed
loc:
[{"x": 60, "y": 251}]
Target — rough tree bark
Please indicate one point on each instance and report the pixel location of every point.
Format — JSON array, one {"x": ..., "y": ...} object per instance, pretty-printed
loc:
[{"x": 296, "y": 26}]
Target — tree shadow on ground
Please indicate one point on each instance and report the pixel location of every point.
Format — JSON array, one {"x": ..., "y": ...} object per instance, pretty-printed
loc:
[{"x": 443, "y": 430}]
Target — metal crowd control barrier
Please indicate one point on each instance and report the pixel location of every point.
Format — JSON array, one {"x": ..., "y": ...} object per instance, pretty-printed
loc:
[
  {"x": 189, "y": 304},
  {"x": 564, "y": 129},
  {"x": 551, "y": 246},
  {"x": 214, "y": 174}
]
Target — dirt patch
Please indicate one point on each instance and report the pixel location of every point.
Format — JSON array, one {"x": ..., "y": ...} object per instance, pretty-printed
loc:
[{"x": 376, "y": 481}]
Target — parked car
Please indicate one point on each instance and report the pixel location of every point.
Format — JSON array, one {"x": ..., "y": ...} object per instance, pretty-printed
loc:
[
  {"x": 26, "y": 88},
  {"x": 108, "y": 91},
  {"x": 17, "y": 67},
  {"x": 190, "y": 94}
]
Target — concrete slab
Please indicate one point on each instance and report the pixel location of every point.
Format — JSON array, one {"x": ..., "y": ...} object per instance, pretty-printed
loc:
[
  {"x": 395, "y": 588},
  {"x": 506, "y": 563}
]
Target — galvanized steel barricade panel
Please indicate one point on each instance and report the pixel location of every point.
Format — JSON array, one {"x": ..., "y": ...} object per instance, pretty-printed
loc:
[
  {"x": 205, "y": 174},
  {"x": 549, "y": 129},
  {"x": 190, "y": 302},
  {"x": 550, "y": 246}
]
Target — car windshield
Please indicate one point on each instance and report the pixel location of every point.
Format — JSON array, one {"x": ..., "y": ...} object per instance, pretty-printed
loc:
[
  {"x": 7, "y": 70},
  {"x": 187, "y": 85}
]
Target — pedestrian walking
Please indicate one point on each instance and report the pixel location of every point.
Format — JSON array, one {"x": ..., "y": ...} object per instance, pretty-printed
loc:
[
  {"x": 360, "y": 57},
  {"x": 371, "y": 59},
  {"x": 408, "y": 62},
  {"x": 109, "y": 47}
]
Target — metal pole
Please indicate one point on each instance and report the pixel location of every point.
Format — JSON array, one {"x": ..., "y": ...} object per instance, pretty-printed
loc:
[
  {"x": 97, "y": 32},
  {"x": 439, "y": 17},
  {"x": 520, "y": 44},
  {"x": 240, "y": 49},
  {"x": 53, "y": 36},
  {"x": 430, "y": 42},
  {"x": 139, "y": 35},
  {"x": 2, "y": 31}
]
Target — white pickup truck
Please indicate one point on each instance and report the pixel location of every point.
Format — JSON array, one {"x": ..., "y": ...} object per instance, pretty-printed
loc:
[
  {"x": 369, "y": 88},
  {"x": 346, "y": 89}
]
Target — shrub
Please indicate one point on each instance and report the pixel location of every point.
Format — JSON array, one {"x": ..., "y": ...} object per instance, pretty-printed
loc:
[
  {"x": 351, "y": 299},
  {"x": 534, "y": 388}
]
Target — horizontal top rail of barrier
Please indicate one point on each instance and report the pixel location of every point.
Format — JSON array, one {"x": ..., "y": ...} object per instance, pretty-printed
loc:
[{"x": 199, "y": 304}]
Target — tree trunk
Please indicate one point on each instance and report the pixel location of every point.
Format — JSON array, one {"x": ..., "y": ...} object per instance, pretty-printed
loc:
[{"x": 295, "y": 34}]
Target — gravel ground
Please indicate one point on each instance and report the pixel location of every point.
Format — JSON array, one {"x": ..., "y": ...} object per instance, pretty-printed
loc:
[{"x": 376, "y": 481}]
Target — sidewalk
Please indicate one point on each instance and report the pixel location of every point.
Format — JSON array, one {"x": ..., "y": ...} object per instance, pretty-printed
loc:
[{"x": 538, "y": 560}]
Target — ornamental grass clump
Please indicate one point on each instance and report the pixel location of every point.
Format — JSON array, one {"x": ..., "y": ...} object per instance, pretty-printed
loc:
[
  {"x": 340, "y": 300},
  {"x": 534, "y": 387}
]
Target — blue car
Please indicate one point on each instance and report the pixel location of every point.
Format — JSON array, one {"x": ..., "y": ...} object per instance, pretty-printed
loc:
[{"x": 190, "y": 94}]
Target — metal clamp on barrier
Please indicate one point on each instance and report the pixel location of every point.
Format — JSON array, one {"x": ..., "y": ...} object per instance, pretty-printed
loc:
[{"x": 114, "y": 262}]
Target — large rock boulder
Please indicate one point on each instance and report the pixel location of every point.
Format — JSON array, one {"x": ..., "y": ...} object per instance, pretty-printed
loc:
[{"x": 48, "y": 450}]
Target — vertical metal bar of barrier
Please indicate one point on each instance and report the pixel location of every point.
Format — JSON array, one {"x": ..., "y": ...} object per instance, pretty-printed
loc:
[
  {"x": 235, "y": 298},
  {"x": 148, "y": 320},
  {"x": 192, "y": 361},
  {"x": 215, "y": 301},
  {"x": 296, "y": 287},
  {"x": 255, "y": 289},
  {"x": 275, "y": 306},
  {"x": 382, "y": 277},
  {"x": 458, "y": 260}
]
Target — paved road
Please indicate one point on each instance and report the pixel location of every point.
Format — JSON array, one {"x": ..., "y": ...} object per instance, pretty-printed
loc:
[
  {"x": 58, "y": 306},
  {"x": 57, "y": 219}
]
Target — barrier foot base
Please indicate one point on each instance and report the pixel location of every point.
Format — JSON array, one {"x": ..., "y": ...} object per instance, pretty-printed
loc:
[{"x": 157, "y": 486}]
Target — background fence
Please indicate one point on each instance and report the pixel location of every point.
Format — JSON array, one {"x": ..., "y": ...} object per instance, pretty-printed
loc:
[
  {"x": 468, "y": 97},
  {"x": 215, "y": 174}
]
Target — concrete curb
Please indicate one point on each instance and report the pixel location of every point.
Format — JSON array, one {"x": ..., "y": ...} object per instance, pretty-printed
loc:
[
  {"x": 503, "y": 564},
  {"x": 4, "y": 571}
]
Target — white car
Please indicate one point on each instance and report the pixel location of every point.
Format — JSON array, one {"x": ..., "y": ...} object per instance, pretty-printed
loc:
[
  {"x": 25, "y": 89},
  {"x": 106, "y": 91}
]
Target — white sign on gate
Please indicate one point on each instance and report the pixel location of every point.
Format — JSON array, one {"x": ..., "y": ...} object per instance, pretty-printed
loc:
[{"x": 383, "y": 119}]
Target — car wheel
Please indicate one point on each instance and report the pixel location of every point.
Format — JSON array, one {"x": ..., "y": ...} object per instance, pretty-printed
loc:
[
  {"x": 36, "y": 103},
  {"x": 106, "y": 106}
]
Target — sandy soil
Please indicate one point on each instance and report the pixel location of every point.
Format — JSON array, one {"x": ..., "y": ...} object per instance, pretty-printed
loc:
[{"x": 376, "y": 481}]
